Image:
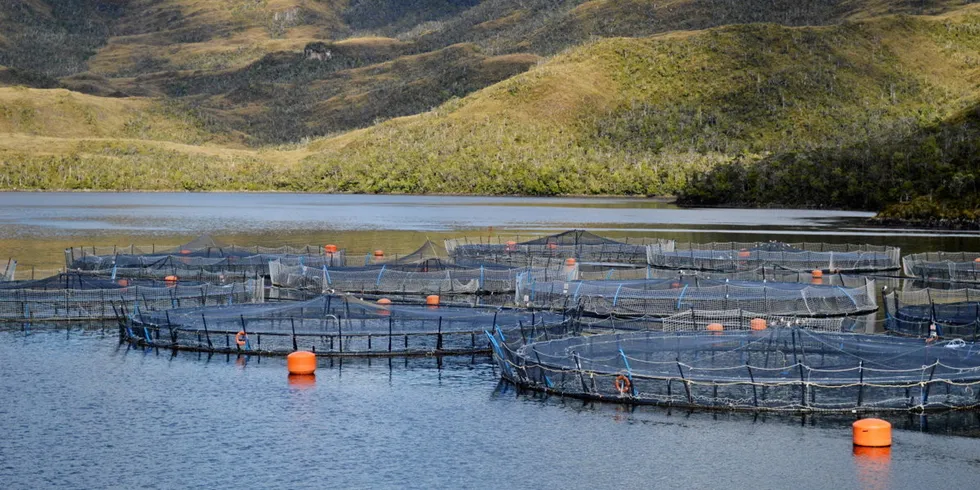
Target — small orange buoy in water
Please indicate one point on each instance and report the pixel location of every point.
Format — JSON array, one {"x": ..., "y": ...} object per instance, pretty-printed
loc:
[
  {"x": 301, "y": 362},
  {"x": 569, "y": 262},
  {"x": 758, "y": 324},
  {"x": 744, "y": 254},
  {"x": 185, "y": 252},
  {"x": 872, "y": 433},
  {"x": 716, "y": 327},
  {"x": 330, "y": 248},
  {"x": 379, "y": 253},
  {"x": 817, "y": 273},
  {"x": 123, "y": 282},
  {"x": 170, "y": 280},
  {"x": 977, "y": 260},
  {"x": 432, "y": 300},
  {"x": 384, "y": 301}
]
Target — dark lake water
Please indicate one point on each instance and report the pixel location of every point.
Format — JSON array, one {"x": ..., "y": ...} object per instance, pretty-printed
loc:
[{"x": 78, "y": 410}]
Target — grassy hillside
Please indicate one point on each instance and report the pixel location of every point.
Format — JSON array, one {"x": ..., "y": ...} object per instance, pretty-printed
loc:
[{"x": 819, "y": 103}]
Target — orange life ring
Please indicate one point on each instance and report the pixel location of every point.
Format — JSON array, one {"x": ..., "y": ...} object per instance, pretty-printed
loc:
[
  {"x": 622, "y": 384},
  {"x": 240, "y": 338}
]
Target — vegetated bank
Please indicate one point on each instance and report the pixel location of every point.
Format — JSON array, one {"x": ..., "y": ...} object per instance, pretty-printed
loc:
[{"x": 860, "y": 115}]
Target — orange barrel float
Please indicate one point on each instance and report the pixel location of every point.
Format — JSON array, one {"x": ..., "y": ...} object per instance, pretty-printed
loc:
[
  {"x": 872, "y": 433},
  {"x": 744, "y": 254},
  {"x": 301, "y": 362},
  {"x": 378, "y": 254},
  {"x": 758, "y": 324},
  {"x": 170, "y": 280},
  {"x": 511, "y": 246},
  {"x": 384, "y": 301},
  {"x": 716, "y": 327},
  {"x": 330, "y": 248},
  {"x": 817, "y": 273},
  {"x": 185, "y": 252},
  {"x": 569, "y": 262},
  {"x": 432, "y": 300}
]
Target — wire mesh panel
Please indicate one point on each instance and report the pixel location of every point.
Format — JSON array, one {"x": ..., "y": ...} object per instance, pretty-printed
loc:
[
  {"x": 737, "y": 256},
  {"x": 333, "y": 326},
  {"x": 9, "y": 271},
  {"x": 950, "y": 313},
  {"x": 943, "y": 266},
  {"x": 661, "y": 297},
  {"x": 777, "y": 369},
  {"x": 548, "y": 250},
  {"x": 107, "y": 303},
  {"x": 433, "y": 279}
]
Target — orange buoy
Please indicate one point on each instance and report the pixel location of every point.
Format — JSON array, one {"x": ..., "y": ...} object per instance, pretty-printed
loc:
[
  {"x": 379, "y": 253},
  {"x": 675, "y": 285},
  {"x": 432, "y": 300},
  {"x": 872, "y": 433},
  {"x": 715, "y": 327},
  {"x": 744, "y": 254},
  {"x": 301, "y": 362},
  {"x": 552, "y": 245},
  {"x": 622, "y": 384},
  {"x": 384, "y": 301},
  {"x": 185, "y": 252},
  {"x": 170, "y": 280},
  {"x": 758, "y": 324},
  {"x": 511, "y": 246},
  {"x": 977, "y": 260},
  {"x": 817, "y": 273},
  {"x": 330, "y": 248},
  {"x": 569, "y": 262},
  {"x": 123, "y": 282}
]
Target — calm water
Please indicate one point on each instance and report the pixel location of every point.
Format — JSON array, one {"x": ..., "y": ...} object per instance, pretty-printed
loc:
[{"x": 78, "y": 410}]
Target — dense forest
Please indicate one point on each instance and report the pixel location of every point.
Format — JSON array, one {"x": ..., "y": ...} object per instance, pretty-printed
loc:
[{"x": 862, "y": 104}]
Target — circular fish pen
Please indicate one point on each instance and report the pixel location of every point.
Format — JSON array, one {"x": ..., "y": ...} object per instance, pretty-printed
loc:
[
  {"x": 433, "y": 277},
  {"x": 735, "y": 256},
  {"x": 945, "y": 313},
  {"x": 662, "y": 297},
  {"x": 334, "y": 326},
  {"x": 943, "y": 266},
  {"x": 550, "y": 250},
  {"x": 73, "y": 296},
  {"x": 776, "y": 369}
]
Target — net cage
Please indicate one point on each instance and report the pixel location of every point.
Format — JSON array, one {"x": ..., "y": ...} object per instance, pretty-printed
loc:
[
  {"x": 9, "y": 271},
  {"x": 333, "y": 325},
  {"x": 590, "y": 272},
  {"x": 721, "y": 320},
  {"x": 788, "y": 369},
  {"x": 80, "y": 297},
  {"x": 738, "y": 256},
  {"x": 546, "y": 250},
  {"x": 662, "y": 297},
  {"x": 946, "y": 313},
  {"x": 436, "y": 277},
  {"x": 943, "y": 266}
]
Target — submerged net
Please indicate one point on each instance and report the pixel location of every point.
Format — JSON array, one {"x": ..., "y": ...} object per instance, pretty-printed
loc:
[
  {"x": 736, "y": 256},
  {"x": 95, "y": 299},
  {"x": 661, "y": 297},
  {"x": 778, "y": 369},
  {"x": 332, "y": 325},
  {"x": 434, "y": 278},
  {"x": 943, "y": 266},
  {"x": 948, "y": 313},
  {"x": 547, "y": 250}
]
